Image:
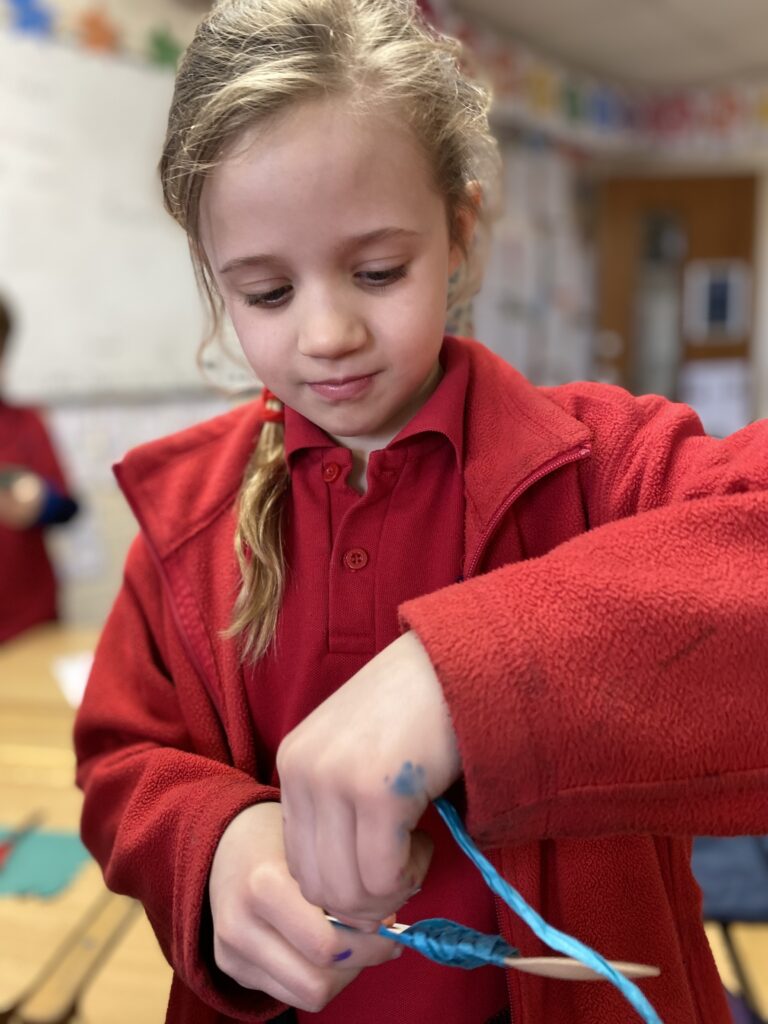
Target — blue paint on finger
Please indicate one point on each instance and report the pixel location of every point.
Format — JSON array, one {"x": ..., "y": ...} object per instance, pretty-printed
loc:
[
  {"x": 409, "y": 780},
  {"x": 338, "y": 957}
]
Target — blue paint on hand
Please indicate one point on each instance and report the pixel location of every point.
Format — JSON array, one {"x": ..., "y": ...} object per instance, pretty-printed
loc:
[
  {"x": 342, "y": 956},
  {"x": 409, "y": 780}
]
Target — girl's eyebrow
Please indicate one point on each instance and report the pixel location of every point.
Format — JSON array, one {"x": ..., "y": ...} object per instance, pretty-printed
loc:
[
  {"x": 349, "y": 245},
  {"x": 379, "y": 235}
]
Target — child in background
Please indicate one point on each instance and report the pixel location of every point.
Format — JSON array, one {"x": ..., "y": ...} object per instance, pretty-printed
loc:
[
  {"x": 33, "y": 495},
  {"x": 405, "y": 570}
]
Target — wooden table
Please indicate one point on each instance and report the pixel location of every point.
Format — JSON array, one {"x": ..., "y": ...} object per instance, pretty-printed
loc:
[{"x": 128, "y": 981}]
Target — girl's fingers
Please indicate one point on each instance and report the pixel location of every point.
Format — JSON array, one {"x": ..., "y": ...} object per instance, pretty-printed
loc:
[
  {"x": 306, "y": 930},
  {"x": 342, "y": 890},
  {"x": 299, "y": 841},
  {"x": 422, "y": 848},
  {"x": 389, "y": 866},
  {"x": 267, "y": 963}
]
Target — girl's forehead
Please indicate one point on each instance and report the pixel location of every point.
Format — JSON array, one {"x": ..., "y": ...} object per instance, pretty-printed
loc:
[
  {"x": 335, "y": 132},
  {"x": 322, "y": 161}
]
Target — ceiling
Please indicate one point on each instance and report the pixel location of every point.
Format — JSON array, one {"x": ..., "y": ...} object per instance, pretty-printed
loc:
[{"x": 643, "y": 42}]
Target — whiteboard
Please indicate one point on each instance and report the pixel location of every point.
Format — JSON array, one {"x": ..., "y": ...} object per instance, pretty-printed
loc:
[{"x": 98, "y": 274}]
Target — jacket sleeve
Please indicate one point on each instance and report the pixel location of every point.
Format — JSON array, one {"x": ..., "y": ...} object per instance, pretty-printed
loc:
[
  {"x": 618, "y": 684},
  {"x": 42, "y": 457},
  {"x": 154, "y": 807}
]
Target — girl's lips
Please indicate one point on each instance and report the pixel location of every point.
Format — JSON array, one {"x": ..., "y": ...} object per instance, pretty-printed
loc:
[{"x": 339, "y": 391}]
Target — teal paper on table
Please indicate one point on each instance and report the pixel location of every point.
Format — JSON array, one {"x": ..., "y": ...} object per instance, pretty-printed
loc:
[{"x": 42, "y": 864}]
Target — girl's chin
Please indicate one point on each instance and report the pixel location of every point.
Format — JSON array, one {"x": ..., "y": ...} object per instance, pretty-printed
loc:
[{"x": 360, "y": 431}]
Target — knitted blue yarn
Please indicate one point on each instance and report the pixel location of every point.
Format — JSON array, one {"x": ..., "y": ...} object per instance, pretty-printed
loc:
[
  {"x": 452, "y": 944},
  {"x": 553, "y": 938}
]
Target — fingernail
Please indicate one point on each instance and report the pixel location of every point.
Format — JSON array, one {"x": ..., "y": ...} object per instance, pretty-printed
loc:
[
  {"x": 398, "y": 951},
  {"x": 338, "y": 957}
]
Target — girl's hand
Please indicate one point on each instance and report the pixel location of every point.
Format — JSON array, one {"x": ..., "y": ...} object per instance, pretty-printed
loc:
[
  {"x": 356, "y": 776},
  {"x": 22, "y": 495},
  {"x": 266, "y": 936}
]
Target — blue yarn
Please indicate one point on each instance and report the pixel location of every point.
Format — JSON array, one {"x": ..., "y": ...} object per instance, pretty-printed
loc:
[
  {"x": 452, "y": 944},
  {"x": 553, "y": 938}
]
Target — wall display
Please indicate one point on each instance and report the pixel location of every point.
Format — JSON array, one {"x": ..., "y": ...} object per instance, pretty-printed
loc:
[
  {"x": 98, "y": 273},
  {"x": 719, "y": 391},
  {"x": 536, "y": 305},
  {"x": 599, "y": 115}
]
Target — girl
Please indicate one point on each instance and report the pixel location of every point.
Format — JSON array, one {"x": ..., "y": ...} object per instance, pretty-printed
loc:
[{"x": 265, "y": 728}]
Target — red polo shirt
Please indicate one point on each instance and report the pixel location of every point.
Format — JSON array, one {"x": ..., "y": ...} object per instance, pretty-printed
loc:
[
  {"x": 27, "y": 584},
  {"x": 352, "y": 560}
]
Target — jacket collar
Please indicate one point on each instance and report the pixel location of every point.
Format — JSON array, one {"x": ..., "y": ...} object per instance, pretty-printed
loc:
[
  {"x": 515, "y": 435},
  {"x": 179, "y": 484}
]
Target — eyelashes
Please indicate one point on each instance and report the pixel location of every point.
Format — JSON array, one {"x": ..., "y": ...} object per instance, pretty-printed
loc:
[
  {"x": 381, "y": 278},
  {"x": 375, "y": 279},
  {"x": 274, "y": 297}
]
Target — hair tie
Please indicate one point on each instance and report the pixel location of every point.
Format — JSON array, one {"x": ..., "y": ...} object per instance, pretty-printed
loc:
[{"x": 271, "y": 409}]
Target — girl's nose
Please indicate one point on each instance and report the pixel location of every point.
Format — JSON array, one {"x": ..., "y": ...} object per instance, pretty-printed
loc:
[{"x": 331, "y": 332}]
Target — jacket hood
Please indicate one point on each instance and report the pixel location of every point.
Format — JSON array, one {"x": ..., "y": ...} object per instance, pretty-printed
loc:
[{"x": 178, "y": 484}]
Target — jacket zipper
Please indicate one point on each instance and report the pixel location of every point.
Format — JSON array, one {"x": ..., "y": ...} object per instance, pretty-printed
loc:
[
  {"x": 497, "y": 905},
  {"x": 550, "y": 467},
  {"x": 562, "y": 460}
]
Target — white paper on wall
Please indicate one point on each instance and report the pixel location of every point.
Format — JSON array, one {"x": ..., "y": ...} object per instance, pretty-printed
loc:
[{"x": 719, "y": 391}]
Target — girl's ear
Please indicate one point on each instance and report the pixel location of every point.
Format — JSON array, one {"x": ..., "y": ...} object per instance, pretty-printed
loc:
[{"x": 464, "y": 227}]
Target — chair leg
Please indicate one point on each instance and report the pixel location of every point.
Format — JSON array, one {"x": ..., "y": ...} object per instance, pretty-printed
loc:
[{"x": 747, "y": 995}]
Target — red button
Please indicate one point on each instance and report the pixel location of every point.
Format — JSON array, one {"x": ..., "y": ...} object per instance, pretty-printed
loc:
[
  {"x": 331, "y": 472},
  {"x": 356, "y": 558}
]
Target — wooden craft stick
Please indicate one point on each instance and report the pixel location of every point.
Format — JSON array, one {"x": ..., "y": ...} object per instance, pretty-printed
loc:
[
  {"x": 560, "y": 967},
  {"x": 564, "y": 967},
  {"x": 573, "y": 970}
]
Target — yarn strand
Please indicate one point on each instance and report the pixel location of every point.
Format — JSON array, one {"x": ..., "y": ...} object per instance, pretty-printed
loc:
[
  {"x": 551, "y": 936},
  {"x": 452, "y": 944}
]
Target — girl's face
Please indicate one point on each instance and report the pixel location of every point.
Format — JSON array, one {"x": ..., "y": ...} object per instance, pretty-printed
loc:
[{"x": 331, "y": 249}]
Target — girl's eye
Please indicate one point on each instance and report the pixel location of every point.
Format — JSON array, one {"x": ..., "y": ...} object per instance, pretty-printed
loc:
[
  {"x": 381, "y": 278},
  {"x": 274, "y": 297}
]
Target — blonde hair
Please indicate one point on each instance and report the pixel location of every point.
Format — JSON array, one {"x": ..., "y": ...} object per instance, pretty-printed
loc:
[{"x": 249, "y": 62}]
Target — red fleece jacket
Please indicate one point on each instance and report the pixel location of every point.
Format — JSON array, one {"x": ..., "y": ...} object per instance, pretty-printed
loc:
[
  {"x": 27, "y": 581},
  {"x": 605, "y": 668}
]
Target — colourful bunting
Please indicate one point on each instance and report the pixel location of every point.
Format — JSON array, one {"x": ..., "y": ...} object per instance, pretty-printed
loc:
[
  {"x": 96, "y": 31},
  {"x": 541, "y": 89},
  {"x": 163, "y": 48},
  {"x": 31, "y": 17}
]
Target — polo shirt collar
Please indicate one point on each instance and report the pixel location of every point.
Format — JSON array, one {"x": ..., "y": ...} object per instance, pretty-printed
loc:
[{"x": 442, "y": 413}]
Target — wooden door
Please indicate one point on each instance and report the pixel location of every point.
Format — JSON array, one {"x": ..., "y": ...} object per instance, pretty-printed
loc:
[{"x": 684, "y": 224}]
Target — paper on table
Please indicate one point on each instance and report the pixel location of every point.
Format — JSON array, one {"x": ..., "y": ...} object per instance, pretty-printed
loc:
[
  {"x": 43, "y": 864},
  {"x": 71, "y": 672}
]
